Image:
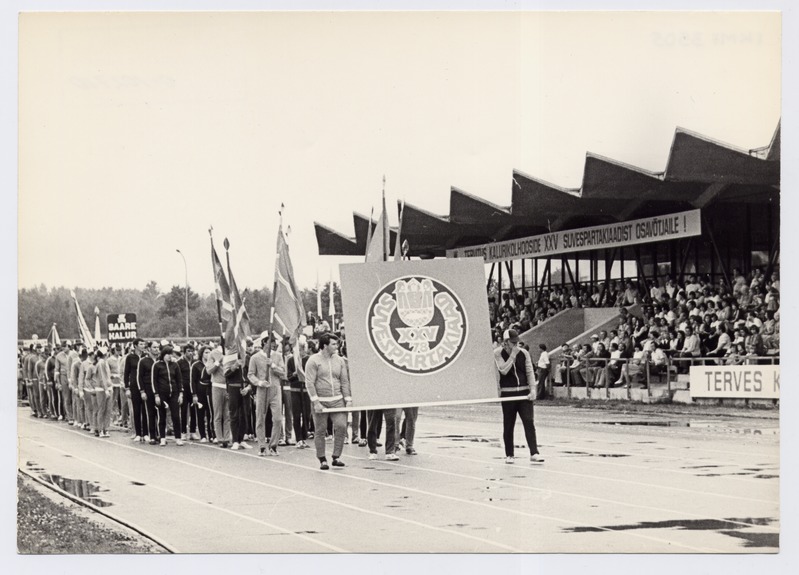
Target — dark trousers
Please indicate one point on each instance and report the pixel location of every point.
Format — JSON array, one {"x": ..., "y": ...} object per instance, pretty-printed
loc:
[
  {"x": 235, "y": 407},
  {"x": 205, "y": 416},
  {"x": 248, "y": 412},
  {"x": 375, "y": 418},
  {"x": 300, "y": 406},
  {"x": 152, "y": 413},
  {"x": 524, "y": 407},
  {"x": 170, "y": 400},
  {"x": 139, "y": 412},
  {"x": 188, "y": 414}
]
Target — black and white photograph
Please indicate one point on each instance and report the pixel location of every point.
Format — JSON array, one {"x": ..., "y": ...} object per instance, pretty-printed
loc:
[{"x": 464, "y": 281}]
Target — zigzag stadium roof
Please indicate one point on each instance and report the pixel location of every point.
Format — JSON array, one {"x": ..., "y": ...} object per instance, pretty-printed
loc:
[{"x": 699, "y": 171}]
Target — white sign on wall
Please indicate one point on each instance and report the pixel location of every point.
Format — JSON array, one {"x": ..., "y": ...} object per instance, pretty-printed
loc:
[{"x": 736, "y": 381}]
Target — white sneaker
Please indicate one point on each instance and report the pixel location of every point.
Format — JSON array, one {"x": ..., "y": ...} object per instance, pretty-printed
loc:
[
  {"x": 392, "y": 457},
  {"x": 163, "y": 442},
  {"x": 372, "y": 456},
  {"x": 536, "y": 458},
  {"x": 104, "y": 434},
  {"x": 178, "y": 442},
  {"x": 214, "y": 440},
  {"x": 136, "y": 438},
  {"x": 146, "y": 438},
  {"x": 245, "y": 445},
  {"x": 510, "y": 459},
  {"x": 236, "y": 446},
  {"x": 204, "y": 440}
]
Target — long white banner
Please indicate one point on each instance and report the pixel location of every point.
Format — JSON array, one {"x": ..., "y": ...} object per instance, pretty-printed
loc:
[
  {"x": 741, "y": 381},
  {"x": 659, "y": 228}
]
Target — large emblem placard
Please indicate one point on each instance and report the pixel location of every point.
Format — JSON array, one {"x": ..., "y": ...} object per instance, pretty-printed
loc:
[
  {"x": 417, "y": 325},
  {"x": 417, "y": 333}
]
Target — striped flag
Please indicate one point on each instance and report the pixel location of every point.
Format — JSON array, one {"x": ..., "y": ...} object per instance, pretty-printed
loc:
[
  {"x": 83, "y": 327},
  {"x": 52, "y": 338},
  {"x": 225, "y": 310},
  {"x": 318, "y": 298},
  {"x": 332, "y": 307},
  {"x": 398, "y": 244},
  {"x": 241, "y": 323},
  {"x": 97, "y": 334},
  {"x": 289, "y": 312}
]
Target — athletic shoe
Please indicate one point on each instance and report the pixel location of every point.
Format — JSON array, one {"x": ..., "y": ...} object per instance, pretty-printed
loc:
[
  {"x": 310, "y": 435},
  {"x": 355, "y": 440},
  {"x": 194, "y": 436},
  {"x": 60, "y": 418},
  {"x": 372, "y": 456},
  {"x": 203, "y": 440},
  {"x": 362, "y": 443},
  {"x": 146, "y": 438},
  {"x": 153, "y": 442},
  {"x": 509, "y": 459},
  {"x": 536, "y": 458},
  {"x": 301, "y": 445},
  {"x": 273, "y": 452},
  {"x": 402, "y": 443},
  {"x": 236, "y": 446},
  {"x": 163, "y": 442},
  {"x": 104, "y": 434},
  {"x": 410, "y": 451},
  {"x": 224, "y": 445},
  {"x": 392, "y": 457},
  {"x": 328, "y": 438},
  {"x": 282, "y": 443},
  {"x": 379, "y": 444},
  {"x": 262, "y": 451},
  {"x": 214, "y": 440},
  {"x": 178, "y": 442},
  {"x": 324, "y": 466},
  {"x": 337, "y": 462},
  {"x": 290, "y": 443},
  {"x": 136, "y": 438},
  {"x": 245, "y": 445},
  {"x": 96, "y": 433}
]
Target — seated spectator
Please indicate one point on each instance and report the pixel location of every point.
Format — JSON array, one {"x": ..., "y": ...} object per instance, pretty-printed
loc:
[{"x": 594, "y": 367}]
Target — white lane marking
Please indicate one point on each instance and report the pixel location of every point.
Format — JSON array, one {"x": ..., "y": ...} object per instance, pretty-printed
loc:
[
  {"x": 197, "y": 501},
  {"x": 612, "y": 479},
  {"x": 653, "y": 455},
  {"x": 307, "y": 495}
]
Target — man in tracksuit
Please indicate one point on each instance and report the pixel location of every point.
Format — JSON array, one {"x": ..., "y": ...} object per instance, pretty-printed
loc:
[
  {"x": 62, "y": 382},
  {"x": 133, "y": 391},
  {"x": 41, "y": 384},
  {"x": 265, "y": 373},
  {"x": 328, "y": 385},
  {"x": 237, "y": 388},
  {"x": 31, "y": 385},
  {"x": 219, "y": 396},
  {"x": 76, "y": 368},
  {"x": 144, "y": 381},
  {"x": 167, "y": 386},
  {"x": 86, "y": 391},
  {"x": 188, "y": 416},
  {"x": 515, "y": 379}
]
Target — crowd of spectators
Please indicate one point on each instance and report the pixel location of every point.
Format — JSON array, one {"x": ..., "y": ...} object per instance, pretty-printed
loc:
[{"x": 735, "y": 323}]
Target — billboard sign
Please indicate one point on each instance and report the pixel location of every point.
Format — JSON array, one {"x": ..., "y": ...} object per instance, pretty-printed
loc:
[{"x": 121, "y": 327}]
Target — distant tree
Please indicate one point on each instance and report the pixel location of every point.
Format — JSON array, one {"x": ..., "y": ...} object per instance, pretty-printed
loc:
[{"x": 175, "y": 302}]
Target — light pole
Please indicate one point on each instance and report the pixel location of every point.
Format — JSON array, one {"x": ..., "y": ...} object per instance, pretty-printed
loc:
[{"x": 186, "y": 268}]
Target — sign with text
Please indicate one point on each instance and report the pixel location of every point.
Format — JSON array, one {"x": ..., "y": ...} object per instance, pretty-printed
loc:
[
  {"x": 736, "y": 381},
  {"x": 659, "y": 228},
  {"x": 418, "y": 333},
  {"x": 121, "y": 327}
]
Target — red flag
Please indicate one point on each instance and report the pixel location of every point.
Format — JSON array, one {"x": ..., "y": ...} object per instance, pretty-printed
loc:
[{"x": 289, "y": 314}]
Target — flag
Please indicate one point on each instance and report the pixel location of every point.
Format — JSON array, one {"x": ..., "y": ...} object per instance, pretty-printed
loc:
[
  {"x": 398, "y": 244},
  {"x": 83, "y": 328},
  {"x": 52, "y": 337},
  {"x": 378, "y": 248},
  {"x": 289, "y": 312},
  {"x": 369, "y": 233},
  {"x": 97, "y": 335},
  {"x": 332, "y": 307},
  {"x": 318, "y": 298},
  {"x": 225, "y": 310},
  {"x": 241, "y": 322}
]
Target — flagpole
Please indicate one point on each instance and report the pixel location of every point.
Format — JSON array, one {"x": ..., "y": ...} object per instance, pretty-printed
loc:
[
  {"x": 218, "y": 303},
  {"x": 274, "y": 287},
  {"x": 385, "y": 223}
]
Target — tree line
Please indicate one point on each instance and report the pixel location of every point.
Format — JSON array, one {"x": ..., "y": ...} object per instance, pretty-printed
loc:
[{"x": 158, "y": 313}]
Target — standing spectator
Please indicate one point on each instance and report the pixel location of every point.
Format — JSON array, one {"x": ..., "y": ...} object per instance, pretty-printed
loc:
[
  {"x": 266, "y": 372},
  {"x": 188, "y": 416},
  {"x": 144, "y": 381},
  {"x": 201, "y": 396},
  {"x": 219, "y": 396},
  {"x": 543, "y": 371},
  {"x": 134, "y": 392},
  {"x": 167, "y": 386},
  {"x": 515, "y": 377}
]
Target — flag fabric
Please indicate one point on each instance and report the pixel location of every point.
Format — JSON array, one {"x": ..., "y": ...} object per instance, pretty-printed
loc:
[
  {"x": 318, "y": 298},
  {"x": 83, "y": 328},
  {"x": 398, "y": 242},
  {"x": 52, "y": 337},
  {"x": 289, "y": 312},
  {"x": 97, "y": 334},
  {"x": 226, "y": 312},
  {"x": 378, "y": 248},
  {"x": 241, "y": 322},
  {"x": 332, "y": 307},
  {"x": 369, "y": 233}
]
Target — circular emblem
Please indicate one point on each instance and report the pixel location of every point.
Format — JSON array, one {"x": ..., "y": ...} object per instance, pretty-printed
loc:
[{"x": 416, "y": 325}]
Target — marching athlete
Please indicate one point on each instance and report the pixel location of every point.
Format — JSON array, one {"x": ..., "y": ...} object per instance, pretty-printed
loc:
[{"x": 167, "y": 386}]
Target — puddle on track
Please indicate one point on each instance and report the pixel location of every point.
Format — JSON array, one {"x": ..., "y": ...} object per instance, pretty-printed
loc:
[
  {"x": 81, "y": 488},
  {"x": 705, "y": 425}
]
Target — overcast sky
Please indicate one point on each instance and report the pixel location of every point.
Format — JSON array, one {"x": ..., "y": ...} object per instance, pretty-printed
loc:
[{"x": 137, "y": 131}]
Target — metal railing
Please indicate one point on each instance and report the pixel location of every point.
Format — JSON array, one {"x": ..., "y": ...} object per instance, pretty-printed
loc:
[{"x": 599, "y": 373}]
